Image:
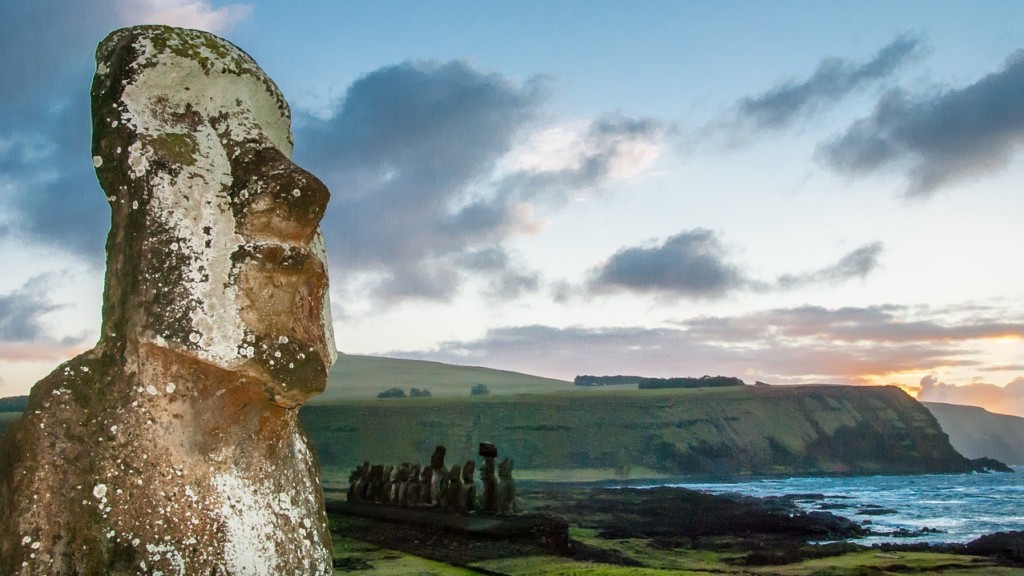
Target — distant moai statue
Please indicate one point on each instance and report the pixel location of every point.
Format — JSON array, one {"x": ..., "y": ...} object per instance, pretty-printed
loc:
[
  {"x": 396, "y": 485},
  {"x": 364, "y": 481},
  {"x": 439, "y": 475},
  {"x": 354, "y": 479},
  {"x": 378, "y": 483},
  {"x": 403, "y": 484},
  {"x": 389, "y": 484},
  {"x": 412, "y": 494},
  {"x": 506, "y": 488},
  {"x": 489, "y": 493},
  {"x": 453, "y": 499},
  {"x": 468, "y": 489},
  {"x": 426, "y": 478},
  {"x": 372, "y": 480},
  {"x": 364, "y": 484}
]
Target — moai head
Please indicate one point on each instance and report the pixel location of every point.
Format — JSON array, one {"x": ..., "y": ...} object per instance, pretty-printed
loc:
[
  {"x": 215, "y": 241},
  {"x": 437, "y": 458},
  {"x": 505, "y": 469},
  {"x": 467, "y": 471}
]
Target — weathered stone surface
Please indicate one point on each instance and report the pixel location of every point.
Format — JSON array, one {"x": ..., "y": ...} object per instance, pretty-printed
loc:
[{"x": 173, "y": 446}]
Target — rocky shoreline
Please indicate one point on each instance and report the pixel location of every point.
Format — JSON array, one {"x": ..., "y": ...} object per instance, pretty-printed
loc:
[{"x": 609, "y": 526}]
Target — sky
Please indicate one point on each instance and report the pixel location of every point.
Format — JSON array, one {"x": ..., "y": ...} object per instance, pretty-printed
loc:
[{"x": 787, "y": 192}]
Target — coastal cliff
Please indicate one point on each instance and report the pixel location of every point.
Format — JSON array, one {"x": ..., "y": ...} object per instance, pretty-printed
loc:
[
  {"x": 706, "y": 432},
  {"x": 976, "y": 432}
]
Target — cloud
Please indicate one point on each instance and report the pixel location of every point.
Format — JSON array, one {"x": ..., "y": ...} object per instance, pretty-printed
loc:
[
  {"x": 43, "y": 41},
  {"x": 1008, "y": 399},
  {"x": 53, "y": 198},
  {"x": 691, "y": 263},
  {"x": 938, "y": 138},
  {"x": 695, "y": 264},
  {"x": 402, "y": 156},
  {"x": 426, "y": 167},
  {"x": 415, "y": 154},
  {"x": 47, "y": 182},
  {"x": 833, "y": 79},
  {"x": 885, "y": 324},
  {"x": 576, "y": 157},
  {"x": 857, "y": 264},
  {"x": 185, "y": 13},
  {"x": 46, "y": 42},
  {"x": 22, "y": 310},
  {"x": 788, "y": 345},
  {"x": 505, "y": 278}
]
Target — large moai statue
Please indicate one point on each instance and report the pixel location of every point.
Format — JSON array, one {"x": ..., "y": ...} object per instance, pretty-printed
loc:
[{"x": 173, "y": 446}]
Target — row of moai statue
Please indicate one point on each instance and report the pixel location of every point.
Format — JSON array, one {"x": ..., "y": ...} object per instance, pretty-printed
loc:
[{"x": 435, "y": 486}]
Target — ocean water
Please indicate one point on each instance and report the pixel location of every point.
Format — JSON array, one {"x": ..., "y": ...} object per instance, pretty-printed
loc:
[{"x": 933, "y": 507}]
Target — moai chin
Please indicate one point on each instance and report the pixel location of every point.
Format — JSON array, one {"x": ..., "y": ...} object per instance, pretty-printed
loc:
[{"x": 173, "y": 446}]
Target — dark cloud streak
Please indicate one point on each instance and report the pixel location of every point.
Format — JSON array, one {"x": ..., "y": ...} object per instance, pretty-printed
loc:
[
  {"x": 696, "y": 264},
  {"x": 834, "y": 79},
  {"x": 857, "y": 264},
  {"x": 22, "y": 309},
  {"x": 939, "y": 138},
  {"x": 692, "y": 264}
]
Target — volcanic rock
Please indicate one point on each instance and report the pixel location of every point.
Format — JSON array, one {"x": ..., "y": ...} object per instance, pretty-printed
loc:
[
  {"x": 1006, "y": 545},
  {"x": 173, "y": 446}
]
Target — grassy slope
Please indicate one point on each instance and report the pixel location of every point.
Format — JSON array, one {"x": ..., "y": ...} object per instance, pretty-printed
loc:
[
  {"x": 976, "y": 432},
  {"x": 7, "y": 419},
  {"x": 361, "y": 377},
  {"x": 746, "y": 430}
]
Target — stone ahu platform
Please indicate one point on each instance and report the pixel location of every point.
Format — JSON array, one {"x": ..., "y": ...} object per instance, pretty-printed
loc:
[{"x": 451, "y": 537}]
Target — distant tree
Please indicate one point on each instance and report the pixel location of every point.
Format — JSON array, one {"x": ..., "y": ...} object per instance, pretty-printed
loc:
[
  {"x": 392, "y": 393},
  {"x": 587, "y": 380},
  {"x": 479, "y": 390},
  {"x": 417, "y": 393},
  {"x": 686, "y": 382}
]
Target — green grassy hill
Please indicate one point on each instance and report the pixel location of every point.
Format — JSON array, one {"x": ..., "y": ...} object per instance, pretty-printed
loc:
[
  {"x": 976, "y": 432},
  {"x": 556, "y": 430},
  {"x": 7, "y": 419},
  {"x": 712, "y": 431},
  {"x": 361, "y": 377}
]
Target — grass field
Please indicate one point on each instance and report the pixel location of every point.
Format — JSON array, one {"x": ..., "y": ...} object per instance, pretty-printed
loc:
[
  {"x": 617, "y": 433},
  {"x": 356, "y": 377}
]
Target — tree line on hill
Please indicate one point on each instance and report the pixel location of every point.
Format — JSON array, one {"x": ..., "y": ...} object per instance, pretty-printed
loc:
[
  {"x": 477, "y": 390},
  {"x": 657, "y": 383},
  {"x": 399, "y": 393}
]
